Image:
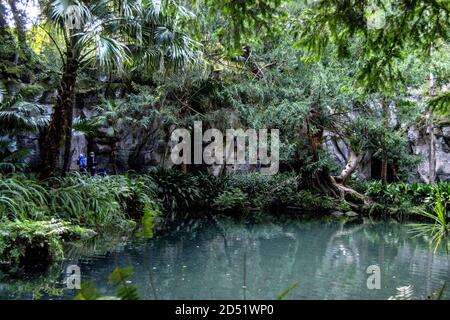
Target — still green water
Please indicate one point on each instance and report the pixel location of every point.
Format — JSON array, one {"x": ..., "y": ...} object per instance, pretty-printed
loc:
[{"x": 228, "y": 259}]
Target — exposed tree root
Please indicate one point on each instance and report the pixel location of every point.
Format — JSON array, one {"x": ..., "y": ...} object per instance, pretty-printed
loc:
[{"x": 327, "y": 184}]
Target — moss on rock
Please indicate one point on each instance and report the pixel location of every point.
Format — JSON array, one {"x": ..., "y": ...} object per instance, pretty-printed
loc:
[{"x": 35, "y": 244}]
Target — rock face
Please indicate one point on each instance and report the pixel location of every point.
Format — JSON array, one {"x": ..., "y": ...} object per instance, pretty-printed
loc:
[
  {"x": 419, "y": 141},
  {"x": 132, "y": 151},
  {"x": 419, "y": 144},
  {"x": 137, "y": 151},
  {"x": 141, "y": 150}
]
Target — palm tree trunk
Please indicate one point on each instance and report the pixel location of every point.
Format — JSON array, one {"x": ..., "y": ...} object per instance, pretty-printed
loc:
[
  {"x": 68, "y": 138},
  {"x": 431, "y": 150},
  {"x": 58, "y": 123}
]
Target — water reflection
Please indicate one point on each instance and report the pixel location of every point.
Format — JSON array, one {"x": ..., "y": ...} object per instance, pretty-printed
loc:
[{"x": 228, "y": 259}]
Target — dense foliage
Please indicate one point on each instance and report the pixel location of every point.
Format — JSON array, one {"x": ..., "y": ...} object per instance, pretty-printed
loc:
[{"x": 344, "y": 81}]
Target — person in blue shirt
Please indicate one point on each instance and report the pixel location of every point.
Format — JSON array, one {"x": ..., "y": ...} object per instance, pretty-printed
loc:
[{"x": 82, "y": 162}]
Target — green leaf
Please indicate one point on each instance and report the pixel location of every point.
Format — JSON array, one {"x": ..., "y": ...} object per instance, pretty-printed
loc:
[
  {"x": 87, "y": 292},
  {"x": 287, "y": 291},
  {"x": 119, "y": 275}
]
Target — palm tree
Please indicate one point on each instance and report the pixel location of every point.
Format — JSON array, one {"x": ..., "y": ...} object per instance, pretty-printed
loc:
[
  {"x": 112, "y": 116},
  {"x": 16, "y": 118},
  {"x": 114, "y": 35}
]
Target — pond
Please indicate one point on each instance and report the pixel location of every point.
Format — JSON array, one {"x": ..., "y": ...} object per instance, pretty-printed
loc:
[{"x": 227, "y": 259}]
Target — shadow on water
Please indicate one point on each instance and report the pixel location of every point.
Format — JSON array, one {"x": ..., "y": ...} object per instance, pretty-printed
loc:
[{"x": 225, "y": 258}]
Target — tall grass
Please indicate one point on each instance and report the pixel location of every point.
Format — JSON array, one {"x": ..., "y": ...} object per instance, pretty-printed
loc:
[
  {"x": 89, "y": 201},
  {"x": 22, "y": 197},
  {"x": 407, "y": 199},
  {"x": 84, "y": 200}
]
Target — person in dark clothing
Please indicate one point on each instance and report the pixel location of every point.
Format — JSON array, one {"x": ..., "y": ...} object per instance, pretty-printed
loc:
[{"x": 92, "y": 163}]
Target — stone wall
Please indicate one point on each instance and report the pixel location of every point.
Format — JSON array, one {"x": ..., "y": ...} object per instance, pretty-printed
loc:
[
  {"x": 148, "y": 148},
  {"x": 419, "y": 142}
]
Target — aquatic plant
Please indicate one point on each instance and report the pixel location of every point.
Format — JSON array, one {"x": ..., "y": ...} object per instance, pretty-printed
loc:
[
  {"x": 439, "y": 229},
  {"x": 407, "y": 293},
  {"x": 286, "y": 292},
  {"x": 119, "y": 280}
]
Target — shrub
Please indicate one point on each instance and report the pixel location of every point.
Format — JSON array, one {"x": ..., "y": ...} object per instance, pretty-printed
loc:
[
  {"x": 403, "y": 199},
  {"x": 27, "y": 243},
  {"x": 176, "y": 191},
  {"x": 26, "y": 207},
  {"x": 253, "y": 184},
  {"x": 210, "y": 188},
  {"x": 84, "y": 200},
  {"x": 234, "y": 199},
  {"x": 309, "y": 201},
  {"x": 264, "y": 191}
]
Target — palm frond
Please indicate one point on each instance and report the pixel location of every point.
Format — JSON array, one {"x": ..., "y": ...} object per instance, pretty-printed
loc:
[
  {"x": 17, "y": 116},
  {"x": 88, "y": 127},
  {"x": 108, "y": 52}
]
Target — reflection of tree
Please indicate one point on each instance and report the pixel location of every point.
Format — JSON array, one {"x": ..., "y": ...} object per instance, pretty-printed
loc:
[
  {"x": 328, "y": 259},
  {"x": 204, "y": 260},
  {"x": 33, "y": 287}
]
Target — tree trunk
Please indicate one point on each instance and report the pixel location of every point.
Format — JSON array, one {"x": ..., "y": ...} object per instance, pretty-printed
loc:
[
  {"x": 19, "y": 21},
  {"x": 3, "y": 23},
  {"x": 384, "y": 160},
  {"x": 353, "y": 160},
  {"x": 58, "y": 123},
  {"x": 113, "y": 155},
  {"x": 384, "y": 170},
  {"x": 432, "y": 148},
  {"x": 322, "y": 179},
  {"x": 68, "y": 138}
]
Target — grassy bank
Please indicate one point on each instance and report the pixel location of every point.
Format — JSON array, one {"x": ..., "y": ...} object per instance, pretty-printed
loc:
[{"x": 37, "y": 217}]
